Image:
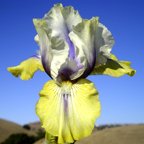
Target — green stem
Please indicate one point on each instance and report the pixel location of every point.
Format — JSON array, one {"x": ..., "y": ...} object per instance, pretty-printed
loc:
[{"x": 49, "y": 139}]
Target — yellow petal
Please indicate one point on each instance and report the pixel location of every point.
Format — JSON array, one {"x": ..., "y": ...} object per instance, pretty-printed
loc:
[
  {"x": 114, "y": 67},
  {"x": 68, "y": 111},
  {"x": 26, "y": 69}
]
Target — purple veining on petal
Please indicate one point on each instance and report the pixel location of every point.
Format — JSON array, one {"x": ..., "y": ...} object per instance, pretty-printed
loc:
[
  {"x": 70, "y": 67},
  {"x": 45, "y": 64},
  {"x": 71, "y": 48},
  {"x": 65, "y": 100},
  {"x": 70, "y": 44},
  {"x": 79, "y": 65},
  {"x": 64, "y": 74},
  {"x": 90, "y": 65}
]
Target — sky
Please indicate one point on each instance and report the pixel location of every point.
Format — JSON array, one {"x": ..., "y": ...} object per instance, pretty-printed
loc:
[{"x": 122, "y": 99}]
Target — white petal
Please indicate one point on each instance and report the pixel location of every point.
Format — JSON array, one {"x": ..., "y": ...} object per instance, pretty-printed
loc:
[
  {"x": 61, "y": 20},
  {"x": 53, "y": 31},
  {"x": 103, "y": 42},
  {"x": 36, "y": 38},
  {"x": 83, "y": 37}
]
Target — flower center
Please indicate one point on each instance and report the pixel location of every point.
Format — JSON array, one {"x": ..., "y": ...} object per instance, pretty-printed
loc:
[
  {"x": 66, "y": 93},
  {"x": 66, "y": 87}
]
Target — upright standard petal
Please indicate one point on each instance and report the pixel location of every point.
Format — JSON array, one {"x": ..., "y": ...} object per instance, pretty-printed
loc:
[
  {"x": 60, "y": 21},
  {"x": 114, "y": 67},
  {"x": 44, "y": 43},
  {"x": 27, "y": 68},
  {"x": 68, "y": 111},
  {"x": 53, "y": 31},
  {"x": 104, "y": 42},
  {"x": 83, "y": 37}
]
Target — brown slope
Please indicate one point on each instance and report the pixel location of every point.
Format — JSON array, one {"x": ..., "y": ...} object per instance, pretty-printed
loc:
[
  {"x": 35, "y": 126},
  {"x": 7, "y": 128},
  {"x": 132, "y": 134}
]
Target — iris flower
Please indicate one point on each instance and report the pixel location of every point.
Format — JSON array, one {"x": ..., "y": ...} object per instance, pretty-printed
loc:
[{"x": 71, "y": 48}]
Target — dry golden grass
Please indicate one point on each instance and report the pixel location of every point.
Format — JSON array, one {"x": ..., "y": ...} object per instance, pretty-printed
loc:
[
  {"x": 131, "y": 134},
  {"x": 126, "y": 134},
  {"x": 7, "y": 128},
  {"x": 40, "y": 141}
]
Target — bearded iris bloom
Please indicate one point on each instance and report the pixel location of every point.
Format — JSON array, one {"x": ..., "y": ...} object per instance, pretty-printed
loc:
[{"x": 71, "y": 48}]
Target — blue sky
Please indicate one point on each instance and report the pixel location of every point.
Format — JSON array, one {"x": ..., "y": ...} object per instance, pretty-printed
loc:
[{"x": 122, "y": 98}]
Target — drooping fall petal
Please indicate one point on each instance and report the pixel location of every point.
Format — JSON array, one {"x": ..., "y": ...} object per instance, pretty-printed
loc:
[
  {"x": 68, "y": 111},
  {"x": 114, "y": 67},
  {"x": 26, "y": 69}
]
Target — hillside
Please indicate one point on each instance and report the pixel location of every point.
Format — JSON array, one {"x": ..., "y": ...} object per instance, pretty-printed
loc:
[
  {"x": 130, "y": 134},
  {"x": 35, "y": 126},
  {"x": 125, "y": 134},
  {"x": 7, "y": 128}
]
